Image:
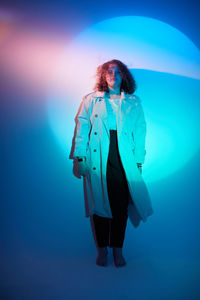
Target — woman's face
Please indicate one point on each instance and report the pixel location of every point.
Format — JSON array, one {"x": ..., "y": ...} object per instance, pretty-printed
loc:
[{"x": 113, "y": 77}]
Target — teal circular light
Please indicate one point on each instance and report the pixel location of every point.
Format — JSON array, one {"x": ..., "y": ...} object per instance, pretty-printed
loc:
[{"x": 166, "y": 66}]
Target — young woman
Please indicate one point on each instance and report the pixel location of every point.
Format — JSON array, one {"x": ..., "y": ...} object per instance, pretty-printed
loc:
[{"x": 109, "y": 145}]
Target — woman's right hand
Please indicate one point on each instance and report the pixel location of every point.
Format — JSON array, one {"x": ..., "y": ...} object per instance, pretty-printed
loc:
[{"x": 82, "y": 167}]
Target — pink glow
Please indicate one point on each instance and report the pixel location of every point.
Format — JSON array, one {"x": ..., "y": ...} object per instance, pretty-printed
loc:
[{"x": 27, "y": 57}]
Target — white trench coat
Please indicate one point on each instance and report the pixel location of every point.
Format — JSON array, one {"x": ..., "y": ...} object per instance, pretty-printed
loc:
[{"x": 92, "y": 141}]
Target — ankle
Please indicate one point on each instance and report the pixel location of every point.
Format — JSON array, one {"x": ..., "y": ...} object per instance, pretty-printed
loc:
[
  {"x": 117, "y": 251},
  {"x": 102, "y": 249}
]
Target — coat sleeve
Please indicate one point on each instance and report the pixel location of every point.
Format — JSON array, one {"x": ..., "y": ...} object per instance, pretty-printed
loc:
[
  {"x": 140, "y": 135},
  {"x": 82, "y": 129}
]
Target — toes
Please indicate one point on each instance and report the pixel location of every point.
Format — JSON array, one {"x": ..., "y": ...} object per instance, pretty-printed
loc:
[
  {"x": 119, "y": 261},
  {"x": 101, "y": 263},
  {"x": 101, "y": 260}
]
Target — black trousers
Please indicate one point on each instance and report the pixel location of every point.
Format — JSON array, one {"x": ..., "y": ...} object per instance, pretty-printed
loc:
[{"x": 111, "y": 232}]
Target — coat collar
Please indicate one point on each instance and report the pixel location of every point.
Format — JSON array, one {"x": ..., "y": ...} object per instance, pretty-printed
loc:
[
  {"x": 104, "y": 94},
  {"x": 123, "y": 96}
]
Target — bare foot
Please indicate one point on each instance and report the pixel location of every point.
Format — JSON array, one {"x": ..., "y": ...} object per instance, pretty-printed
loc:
[
  {"x": 118, "y": 257},
  {"x": 102, "y": 256}
]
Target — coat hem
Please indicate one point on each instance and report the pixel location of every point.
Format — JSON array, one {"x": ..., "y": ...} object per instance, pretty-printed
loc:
[{"x": 97, "y": 213}]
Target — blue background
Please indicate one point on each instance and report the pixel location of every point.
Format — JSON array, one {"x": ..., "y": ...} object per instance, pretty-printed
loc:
[{"x": 47, "y": 247}]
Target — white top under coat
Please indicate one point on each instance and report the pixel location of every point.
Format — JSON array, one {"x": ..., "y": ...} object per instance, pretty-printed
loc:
[{"x": 112, "y": 105}]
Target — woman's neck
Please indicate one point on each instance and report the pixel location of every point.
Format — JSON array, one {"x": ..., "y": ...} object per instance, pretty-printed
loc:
[
  {"x": 114, "y": 91},
  {"x": 114, "y": 96}
]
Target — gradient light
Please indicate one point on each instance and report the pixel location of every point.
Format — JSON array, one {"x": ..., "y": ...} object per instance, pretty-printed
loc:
[{"x": 165, "y": 64}]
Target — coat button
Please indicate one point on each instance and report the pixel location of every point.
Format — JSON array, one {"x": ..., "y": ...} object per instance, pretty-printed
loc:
[
  {"x": 95, "y": 132},
  {"x": 95, "y": 150},
  {"x": 94, "y": 168},
  {"x": 96, "y": 115}
]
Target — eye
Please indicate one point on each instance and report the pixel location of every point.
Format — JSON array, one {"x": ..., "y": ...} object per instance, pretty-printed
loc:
[{"x": 110, "y": 72}]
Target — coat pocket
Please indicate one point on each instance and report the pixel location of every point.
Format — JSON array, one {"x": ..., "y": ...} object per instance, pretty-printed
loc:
[{"x": 88, "y": 157}]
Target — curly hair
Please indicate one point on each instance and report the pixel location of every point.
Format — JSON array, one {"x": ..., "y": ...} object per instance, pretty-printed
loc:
[{"x": 128, "y": 82}]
